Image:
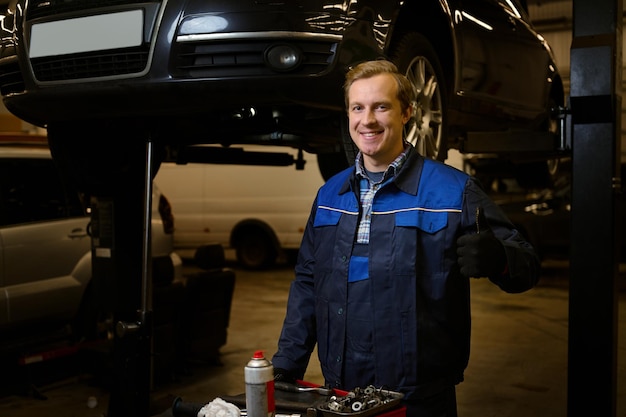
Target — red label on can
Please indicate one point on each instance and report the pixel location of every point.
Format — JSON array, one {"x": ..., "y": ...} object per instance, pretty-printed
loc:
[{"x": 271, "y": 406}]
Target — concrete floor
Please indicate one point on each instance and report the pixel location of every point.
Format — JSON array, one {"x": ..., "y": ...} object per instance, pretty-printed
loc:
[{"x": 518, "y": 365}]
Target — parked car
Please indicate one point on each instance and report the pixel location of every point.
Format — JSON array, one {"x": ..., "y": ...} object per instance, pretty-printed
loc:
[
  {"x": 266, "y": 72},
  {"x": 260, "y": 212},
  {"x": 45, "y": 247}
]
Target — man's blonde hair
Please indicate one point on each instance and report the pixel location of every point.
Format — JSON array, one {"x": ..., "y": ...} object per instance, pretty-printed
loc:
[{"x": 368, "y": 69}]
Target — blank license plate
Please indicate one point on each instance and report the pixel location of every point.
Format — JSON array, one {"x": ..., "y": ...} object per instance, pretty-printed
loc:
[{"x": 86, "y": 34}]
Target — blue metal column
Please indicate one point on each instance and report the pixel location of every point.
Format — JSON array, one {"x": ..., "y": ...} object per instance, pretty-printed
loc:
[{"x": 596, "y": 64}]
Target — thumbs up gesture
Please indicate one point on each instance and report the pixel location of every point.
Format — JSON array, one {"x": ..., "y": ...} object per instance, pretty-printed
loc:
[{"x": 481, "y": 254}]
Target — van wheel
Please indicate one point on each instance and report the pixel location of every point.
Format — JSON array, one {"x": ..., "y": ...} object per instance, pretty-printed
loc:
[{"x": 256, "y": 250}]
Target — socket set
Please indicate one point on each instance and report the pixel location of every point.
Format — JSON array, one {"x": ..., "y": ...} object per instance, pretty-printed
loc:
[{"x": 361, "y": 402}]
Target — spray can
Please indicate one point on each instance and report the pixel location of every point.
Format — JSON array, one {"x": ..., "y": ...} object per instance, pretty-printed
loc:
[{"x": 259, "y": 377}]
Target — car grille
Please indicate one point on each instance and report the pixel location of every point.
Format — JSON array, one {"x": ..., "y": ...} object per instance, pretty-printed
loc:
[
  {"x": 209, "y": 59},
  {"x": 91, "y": 65}
]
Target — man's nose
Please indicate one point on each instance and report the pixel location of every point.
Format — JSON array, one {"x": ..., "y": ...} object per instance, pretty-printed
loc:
[{"x": 369, "y": 116}]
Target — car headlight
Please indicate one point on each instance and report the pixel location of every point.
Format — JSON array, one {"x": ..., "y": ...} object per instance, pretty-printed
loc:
[{"x": 197, "y": 25}]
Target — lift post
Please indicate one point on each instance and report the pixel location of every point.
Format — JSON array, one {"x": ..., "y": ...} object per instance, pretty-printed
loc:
[
  {"x": 595, "y": 101},
  {"x": 121, "y": 253}
]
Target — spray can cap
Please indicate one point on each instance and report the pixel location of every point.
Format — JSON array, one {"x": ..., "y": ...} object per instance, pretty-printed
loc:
[{"x": 258, "y": 355}]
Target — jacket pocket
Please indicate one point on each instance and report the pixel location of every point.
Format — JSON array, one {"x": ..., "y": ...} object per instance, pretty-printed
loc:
[
  {"x": 428, "y": 221},
  {"x": 326, "y": 217}
]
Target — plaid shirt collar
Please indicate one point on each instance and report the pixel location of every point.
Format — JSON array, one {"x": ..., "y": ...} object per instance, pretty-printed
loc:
[{"x": 391, "y": 170}]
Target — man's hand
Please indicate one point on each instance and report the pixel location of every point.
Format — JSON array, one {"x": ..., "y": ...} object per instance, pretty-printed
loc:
[
  {"x": 284, "y": 376},
  {"x": 481, "y": 254}
]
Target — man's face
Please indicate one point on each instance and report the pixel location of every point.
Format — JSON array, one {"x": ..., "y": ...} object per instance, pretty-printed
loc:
[{"x": 376, "y": 120}]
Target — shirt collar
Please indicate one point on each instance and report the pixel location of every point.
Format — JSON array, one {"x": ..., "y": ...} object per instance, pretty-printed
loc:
[{"x": 391, "y": 170}]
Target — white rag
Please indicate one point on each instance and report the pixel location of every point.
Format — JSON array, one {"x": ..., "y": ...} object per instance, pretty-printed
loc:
[{"x": 219, "y": 408}]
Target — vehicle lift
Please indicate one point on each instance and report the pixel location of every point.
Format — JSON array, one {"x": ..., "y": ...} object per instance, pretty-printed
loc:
[
  {"x": 121, "y": 254},
  {"x": 596, "y": 104},
  {"x": 594, "y": 115}
]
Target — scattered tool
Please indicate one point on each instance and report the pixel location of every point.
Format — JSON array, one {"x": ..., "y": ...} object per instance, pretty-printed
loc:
[{"x": 286, "y": 386}]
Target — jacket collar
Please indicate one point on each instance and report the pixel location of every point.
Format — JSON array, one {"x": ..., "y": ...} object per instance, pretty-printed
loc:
[{"x": 406, "y": 179}]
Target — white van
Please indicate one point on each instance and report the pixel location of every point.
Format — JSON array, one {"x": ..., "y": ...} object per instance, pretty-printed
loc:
[{"x": 259, "y": 211}]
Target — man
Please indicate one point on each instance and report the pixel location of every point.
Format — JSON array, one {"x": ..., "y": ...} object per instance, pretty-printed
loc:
[{"x": 382, "y": 277}]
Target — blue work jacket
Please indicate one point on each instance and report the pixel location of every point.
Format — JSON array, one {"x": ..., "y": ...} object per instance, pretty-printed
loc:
[{"x": 420, "y": 302}]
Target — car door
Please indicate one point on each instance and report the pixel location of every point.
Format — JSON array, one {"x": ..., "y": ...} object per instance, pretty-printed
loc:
[{"x": 43, "y": 236}]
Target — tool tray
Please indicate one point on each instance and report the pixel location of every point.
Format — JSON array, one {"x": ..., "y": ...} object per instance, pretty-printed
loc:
[
  {"x": 360, "y": 403},
  {"x": 312, "y": 404}
]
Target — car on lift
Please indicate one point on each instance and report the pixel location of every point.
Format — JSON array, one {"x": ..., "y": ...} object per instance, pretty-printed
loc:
[
  {"x": 271, "y": 72},
  {"x": 46, "y": 248}
]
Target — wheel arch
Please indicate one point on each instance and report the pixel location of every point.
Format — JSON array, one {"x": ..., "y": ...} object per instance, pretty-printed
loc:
[
  {"x": 433, "y": 20},
  {"x": 248, "y": 225},
  {"x": 82, "y": 271}
]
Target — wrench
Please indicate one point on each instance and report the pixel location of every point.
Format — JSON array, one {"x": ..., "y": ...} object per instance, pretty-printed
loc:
[{"x": 285, "y": 386}]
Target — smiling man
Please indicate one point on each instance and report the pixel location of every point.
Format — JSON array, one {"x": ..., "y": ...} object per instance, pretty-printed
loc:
[
  {"x": 377, "y": 116},
  {"x": 382, "y": 278}
]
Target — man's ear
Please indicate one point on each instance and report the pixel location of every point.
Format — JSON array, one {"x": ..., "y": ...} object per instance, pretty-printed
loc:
[{"x": 408, "y": 113}]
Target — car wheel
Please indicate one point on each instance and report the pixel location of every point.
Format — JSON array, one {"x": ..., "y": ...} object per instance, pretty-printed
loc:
[
  {"x": 210, "y": 256},
  {"x": 332, "y": 163},
  {"x": 255, "y": 250},
  {"x": 416, "y": 57},
  {"x": 348, "y": 153}
]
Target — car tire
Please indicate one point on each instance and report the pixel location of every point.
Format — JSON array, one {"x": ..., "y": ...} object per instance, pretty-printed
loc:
[
  {"x": 332, "y": 163},
  {"x": 416, "y": 57},
  {"x": 210, "y": 256},
  {"x": 350, "y": 150},
  {"x": 256, "y": 250}
]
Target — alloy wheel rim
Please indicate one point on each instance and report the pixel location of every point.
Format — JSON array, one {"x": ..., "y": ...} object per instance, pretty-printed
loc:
[{"x": 425, "y": 129}]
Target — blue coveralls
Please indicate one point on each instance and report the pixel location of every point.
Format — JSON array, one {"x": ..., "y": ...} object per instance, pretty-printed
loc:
[{"x": 420, "y": 307}]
